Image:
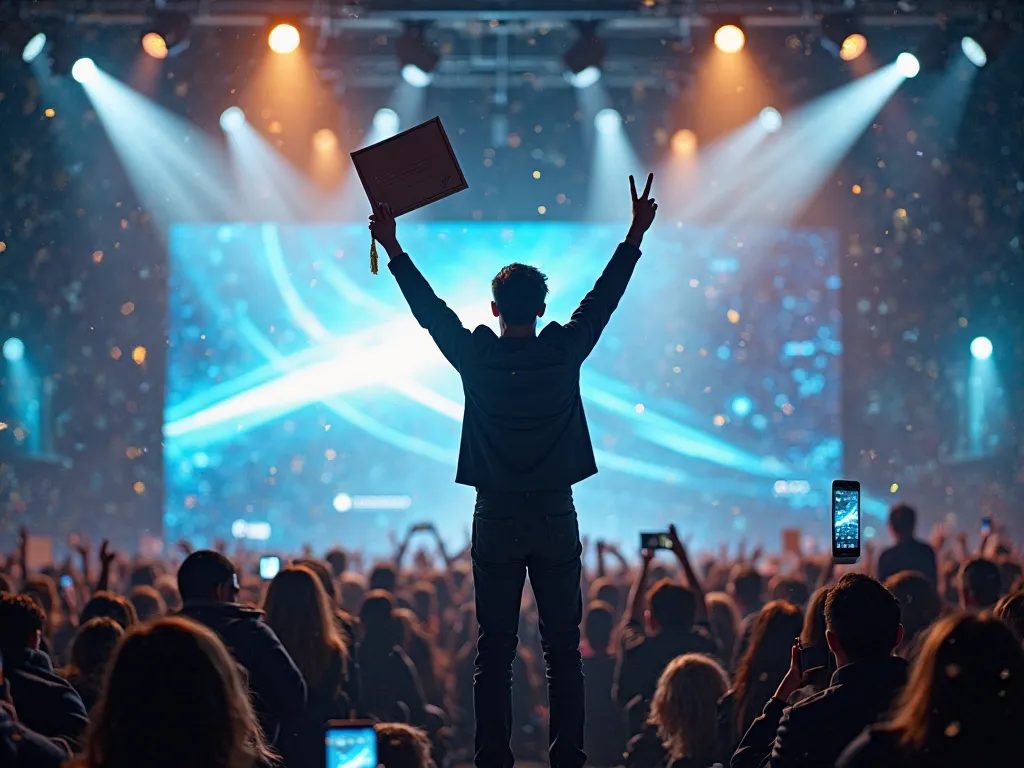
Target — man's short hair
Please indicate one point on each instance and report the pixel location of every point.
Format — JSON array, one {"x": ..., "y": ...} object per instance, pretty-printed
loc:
[
  {"x": 672, "y": 605},
  {"x": 791, "y": 589},
  {"x": 519, "y": 291},
  {"x": 384, "y": 576},
  {"x": 747, "y": 584},
  {"x": 864, "y": 616},
  {"x": 338, "y": 561},
  {"x": 903, "y": 519},
  {"x": 20, "y": 618},
  {"x": 202, "y": 572},
  {"x": 598, "y": 625},
  {"x": 983, "y": 580},
  {"x": 402, "y": 746}
]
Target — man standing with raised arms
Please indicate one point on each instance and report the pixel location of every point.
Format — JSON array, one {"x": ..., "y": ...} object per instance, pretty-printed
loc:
[{"x": 524, "y": 444}]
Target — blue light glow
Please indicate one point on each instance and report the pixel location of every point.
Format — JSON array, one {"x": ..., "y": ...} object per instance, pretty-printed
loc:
[
  {"x": 33, "y": 48},
  {"x": 84, "y": 71},
  {"x": 14, "y": 349},
  {"x": 908, "y": 65},
  {"x": 981, "y": 348},
  {"x": 415, "y": 76},
  {"x": 742, "y": 405},
  {"x": 771, "y": 119},
  {"x": 608, "y": 121},
  {"x": 232, "y": 119},
  {"x": 584, "y": 78},
  {"x": 386, "y": 121},
  {"x": 974, "y": 52}
]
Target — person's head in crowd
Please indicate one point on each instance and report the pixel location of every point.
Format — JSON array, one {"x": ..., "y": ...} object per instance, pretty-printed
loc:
[
  {"x": 519, "y": 295},
  {"x": 424, "y": 602},
  {"x": 143, "y": 575},
  {"x": 402, "y": 746},
  {"x": 598, "y": 626},
  {"x": 322, "y": 571},
  {"x": 92, "y": 648},
  {"x": 148, "y": 602},
  {"x": 790, "y": 589},
  {"x": 919, "y": 606},
  {"x": 111, "y": 606},
  {"x": 43, "y": 590},
  {"x": 724, "y": 618},
  {"x": 173, "y": 697},
  {"x": 862, "y": 620},
  {"x": 902, "y": 521},
  {"x": 671, "y": 607},
  {"x": 1013, "y": 575},
  {"x": 684, "y": 709},
  {"x": 21, "y": 623},
  {"x": 338, "y": 561},
  {"x": 605, "y": 590},
  {"x": 964, "y": 700},
  {"x": 766, "y": 661},
  {"x": 745, "y": 587},
  {"x": 298, "y": 610},
  {"x": 981, "y": 584},
  {"x": 384, "y": 576},
  {"x": 167, "y": 586},
  {"x": 208, "y": 575},
  {"x": 382, "y": 631},
  {"x": 1010, "y": 609},
  {"x": 6, "y": 587},
  {"x": 353, "y": 592}
]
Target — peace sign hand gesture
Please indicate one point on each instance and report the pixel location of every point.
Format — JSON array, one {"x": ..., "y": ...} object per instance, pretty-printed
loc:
[{"x": 644, "y": 210}]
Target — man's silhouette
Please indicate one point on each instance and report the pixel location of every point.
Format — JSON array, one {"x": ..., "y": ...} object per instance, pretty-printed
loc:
[{"x": 524, "y": 444}]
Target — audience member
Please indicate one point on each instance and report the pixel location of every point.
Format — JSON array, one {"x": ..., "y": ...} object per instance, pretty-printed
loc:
[
  {"x": 604, "y": 732},
  {"x": 908, "y": 553},
  {"x": 790, "y": 589},
  {"x": 396, "y": 694},
  {"x": 724, "y": 622},
  {"x": 147, "y": 602},
  {"x": 44, "y": 701},
  {"x": 684, "y": 712},
  {"x": 21, "y": 747},
  {"x": 816, "y": 661},
  {"x": 863, "y": 628},
  {"x": 402, "y": 746},
  {"x": 208, "y": 584},
  {"x": 919, "y": 608},
  {"x": 174, "y": 698},
  {"x": 91, "y": 650},
  {"x": 746, "y": 587},
  {"x": 1010, "y": 609},
  {"x": 962, "y": 705},
  {"x": 109, "y": 605},
  {"x": 981, "y": 584}
]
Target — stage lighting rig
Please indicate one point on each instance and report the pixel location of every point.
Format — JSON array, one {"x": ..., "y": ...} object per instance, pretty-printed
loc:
[
  {"x": 416, "y": 58},
  {"x": 987, "y": 42},
  {"x": 284, "y": 38},
  {"x": 585, "y": 56},
  {"x": 842, "y": 36},
  {"x": 729, "y": 35},
  {"x": 167, "y": 34}
]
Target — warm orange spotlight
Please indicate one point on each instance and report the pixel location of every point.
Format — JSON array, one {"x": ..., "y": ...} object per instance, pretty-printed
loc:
[
  {"x": 324, "y": 140},
  {"x": 853, "y": 47},
  {"x": 155, "y": 45},
  {"x": 684, "y": 142},
  {"x": 730, "y": 39},
  {"x": 284, "y": 38}
]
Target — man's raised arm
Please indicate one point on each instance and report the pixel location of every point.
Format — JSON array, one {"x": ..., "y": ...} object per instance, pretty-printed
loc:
[
  {"x": 596, "y": 309},
  {"x": 430, "y": 312}
]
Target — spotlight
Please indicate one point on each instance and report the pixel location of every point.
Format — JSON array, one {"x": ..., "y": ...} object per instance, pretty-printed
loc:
[
  {"x": 232, "y": 119},
  {"x": 342, "y": 502},
  {"x": 324, "y": 140},
  {"x": 167, "y": 34},
  {"x": 14, "y": 349},
  {"x": 841, "y": 35},
  {"x": 908, "y": 65},
  {"x": 284, "y": 38},
  {"x": 981, "y": 348},
  {"x": 684, "y": 142},
  {"x": 770, "y": 119},
  {"x": 729, "y": 38},
  {"x": 33, "y": 47},
  {"x": 386, "y": 121},
  {"x": 607, "y": 121},
  {"x": 84, "y": 70},
  {"x": 985, "y": 44},
  {"x": 415, "y": 56},
  {"x": 584, "y": 58},
  {"x": 17, "y": 36},
  {"x": 973, "y": 51}
]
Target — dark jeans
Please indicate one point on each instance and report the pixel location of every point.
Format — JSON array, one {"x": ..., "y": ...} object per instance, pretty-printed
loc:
[{"x": 516, "y": 533}]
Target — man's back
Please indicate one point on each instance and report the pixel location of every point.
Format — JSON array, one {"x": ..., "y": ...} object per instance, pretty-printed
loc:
[{"x": 908, "y": 555}]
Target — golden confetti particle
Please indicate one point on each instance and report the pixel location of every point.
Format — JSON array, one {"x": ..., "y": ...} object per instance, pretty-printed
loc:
[
  {"x": 275, "y": 127},
  {"x": 115, "y": 353},
  {"x": 132, "y": 452},
  {"x": 676, "y": 369},
  {"x": 127, "y": 308},
  {"x": 139, "y": 355},
  {"x": 190, "y": 502},
  {"x": 536, "y": 174},
  {"x": 952, "y": 730},
  {"x": 97, "y": 256},
  {"x": 856, "y": 189},
  {"x": 3, "y": 426},
  {"x": 639, "y": 408},
  {"x": 330, "y": 454},
  {"x": 952, "y": 670},
  {"x": 733, "y": 315},
  {"x": 901, "y": 213},
  {"x": 894, "y": 487},
  {"x": 694, "y": 283},
  {"x": 719, "y": 420},
  {"x": 50, "y": 112},
  {"x": 1004, "y": 675},
  {"x": 139, "y": 487},
  {"x": 962, "y": 322},
  {"x": 680, "y": 347},
  {"x": 3, "y": 246},
  {"x": 542, "y": 209}
]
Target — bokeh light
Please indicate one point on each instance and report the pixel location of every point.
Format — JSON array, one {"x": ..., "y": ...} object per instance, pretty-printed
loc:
[
  {"x": 415, "y": 76},
  {"x": 684, "y": 142},
  {"x": 974, "y": 51},
  {"x": 14, "y": 349},
  {"x": 981, "y": 348},
  {"x": 730, "y": 39},
  {"x": 853, "y": 47},
  {"x": 585, "y": 78},
  {"x": 386, "y": 121},
  {"x": 231, "y": 119},
  {"x": 284, "y": 38},
  {"x": 33, "y": 48},
  {"x": 324, "y": 140},
  {"x": 908, "y": 65},
  {"x": 155, "y": 45},
  {"x": 770, "y": 119}
]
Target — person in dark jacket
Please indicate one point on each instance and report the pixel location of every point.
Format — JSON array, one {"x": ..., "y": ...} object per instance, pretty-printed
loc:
[
  {"x": 21, "y": 747},
  {"x": 863, "y": 629},
  {"x": 208, "y": 583},
  {"x": 44, "y": 701},
  {"x": 395, "y": 693},
  {"x": 908, "y": 553}
]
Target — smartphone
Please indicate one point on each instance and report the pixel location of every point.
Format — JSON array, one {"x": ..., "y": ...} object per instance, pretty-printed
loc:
[
  {"x": 269, "y": 566},
  {"x": 845, "y": 521},
  {"x": 351, "y": 744},
  {"x": 986, "y": 526},
  {"x": 655, "y": 541},
  {"x": 66, "y": 582}
]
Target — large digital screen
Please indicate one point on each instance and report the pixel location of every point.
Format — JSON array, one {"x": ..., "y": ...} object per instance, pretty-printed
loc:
[{"x": 305, "y": 405}]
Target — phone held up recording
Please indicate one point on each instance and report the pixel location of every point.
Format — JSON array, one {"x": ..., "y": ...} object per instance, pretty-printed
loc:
[
  {"x": 350, "y": 744},
  {"x": 660, "y": 540},
  {"x": 845, "y": 521}
]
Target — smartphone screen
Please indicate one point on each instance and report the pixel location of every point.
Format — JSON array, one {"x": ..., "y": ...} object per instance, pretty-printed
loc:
[
  {"x": 66, "y": 582},
  {"x": 986, "y": 526},
  {"x": 845, "y": 519},
  {"x": 351, "y": 745},
  {"x": 269, "y": 566},
  {"x": 655, "y": 541}
]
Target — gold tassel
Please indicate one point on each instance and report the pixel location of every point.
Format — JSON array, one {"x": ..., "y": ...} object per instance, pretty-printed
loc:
[{"x": 373, "y": 256}]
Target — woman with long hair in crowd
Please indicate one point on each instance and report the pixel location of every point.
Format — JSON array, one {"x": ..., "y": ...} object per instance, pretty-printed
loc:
[
  {"x": 173, "y": 698},
  {"x": 919, "y": 608},
  {"x": 763, "y": 665},
  {"x": 91, "y": 650},
  {"x": 817, "y": 659},
  {"x": 962, "y": 705},
  {"x": 724, "y": 620},
  {"x": 299, "y": 611}
]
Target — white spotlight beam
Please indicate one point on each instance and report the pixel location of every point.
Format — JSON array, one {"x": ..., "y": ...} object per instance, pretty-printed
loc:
[
  {"x": 612, "y": 162},
  {"x": 272, "y": 189}
]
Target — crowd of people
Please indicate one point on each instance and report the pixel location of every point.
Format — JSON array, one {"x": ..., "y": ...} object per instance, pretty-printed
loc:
[{"x": 913, "y": 657}]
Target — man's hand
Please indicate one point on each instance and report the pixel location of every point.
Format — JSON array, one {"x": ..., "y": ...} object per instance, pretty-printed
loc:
[
  {"x": 677, "y": 545},
  {"x": 107, "y": 554},
  {"x": 382, "y": 227},
  {"x": 644, "y": 211},
  {"x": 794, "y": 676}
]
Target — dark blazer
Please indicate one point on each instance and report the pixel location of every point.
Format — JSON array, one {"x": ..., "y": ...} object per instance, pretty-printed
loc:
[
  {"x": 815, "y": 731},
  {"x": 45, "y": 702},
  {"x": 24, "y": 748}
]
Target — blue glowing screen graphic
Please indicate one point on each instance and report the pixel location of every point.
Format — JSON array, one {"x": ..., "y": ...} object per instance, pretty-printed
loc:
[{"x": 304, "y": 403}]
